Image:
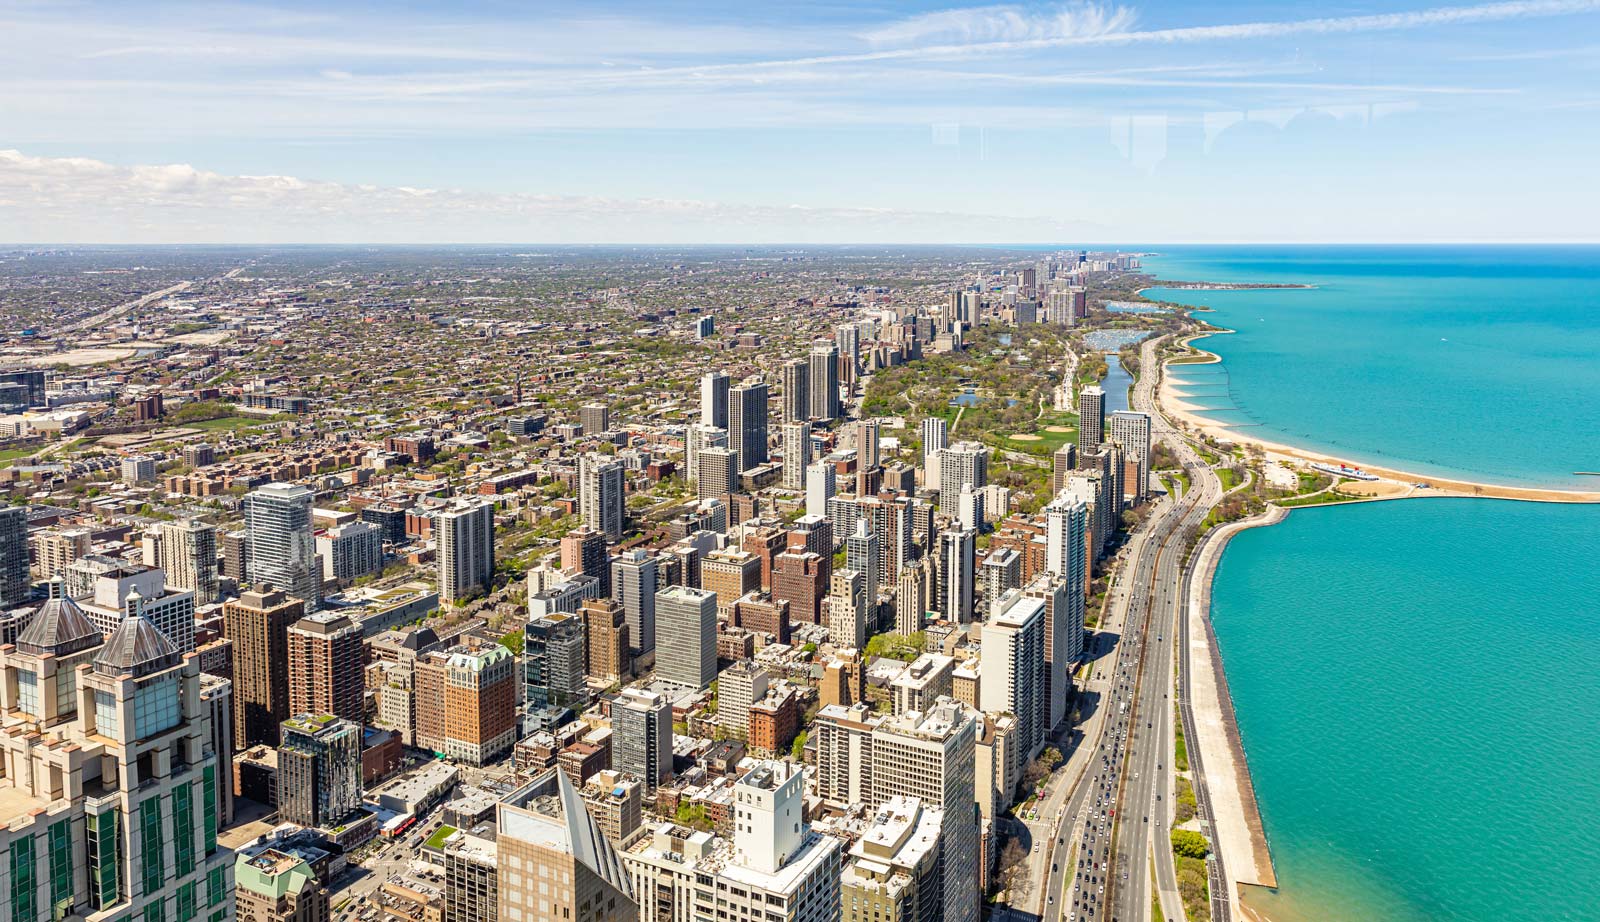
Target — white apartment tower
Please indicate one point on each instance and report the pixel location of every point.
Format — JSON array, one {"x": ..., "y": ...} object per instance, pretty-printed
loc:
[
  {"x": 282, "y": 551},
  {"x": 602, "y": 495},
  {"x": 465, "y": 536}
]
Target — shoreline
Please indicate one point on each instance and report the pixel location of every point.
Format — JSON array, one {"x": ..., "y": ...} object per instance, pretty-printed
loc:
[
  {"x": 1180, "y": 410},
  {"x": 1235, "y": 822}
]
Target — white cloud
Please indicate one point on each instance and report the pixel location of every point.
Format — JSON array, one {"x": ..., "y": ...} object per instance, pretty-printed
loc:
[
  {"x": 78, "y": 200},
  {"x": 1004, "y": 23}
]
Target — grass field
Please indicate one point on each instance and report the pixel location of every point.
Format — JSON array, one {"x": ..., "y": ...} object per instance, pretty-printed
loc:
[
  {"x": 1048, "y": 441},
  {"x": 225, "y": 423}
]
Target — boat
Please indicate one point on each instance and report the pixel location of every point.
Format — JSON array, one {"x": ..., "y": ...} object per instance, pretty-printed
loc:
[{"x": 1339, "y": 470}]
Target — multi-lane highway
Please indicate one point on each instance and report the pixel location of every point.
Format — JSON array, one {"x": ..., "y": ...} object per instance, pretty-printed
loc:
[
  {"x": 1146, "y": 795},
  {"x": 1117, "y": 812}
]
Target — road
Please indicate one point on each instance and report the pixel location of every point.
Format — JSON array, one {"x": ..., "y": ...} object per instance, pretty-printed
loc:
[
  {"x": 1121, "y": 768},
  {"x": 1146, "y": 795}
]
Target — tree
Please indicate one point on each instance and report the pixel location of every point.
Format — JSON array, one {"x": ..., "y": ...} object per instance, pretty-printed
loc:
[
  {"x": 798, "y": 747},
  {"x": 1187, "y": 843}
]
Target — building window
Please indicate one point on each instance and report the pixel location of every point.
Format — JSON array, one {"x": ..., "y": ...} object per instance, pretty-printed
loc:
[
  {"x": 151, "y": 851},
  {"x": 183, "y": 833},
  {"x": 28, "y": 693},
  {"x": 209, "y": 792},
  {"x": 105, "y": 881},
  {"x": 61, "y": 864},
  {"x": 24, "y": 887},
  {"x": 156, "y": 707},
  {"x": 107, "y": 719}
]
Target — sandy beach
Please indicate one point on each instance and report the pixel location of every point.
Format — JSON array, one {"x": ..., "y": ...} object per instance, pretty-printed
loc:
[{"x": 1394, "y": 483}]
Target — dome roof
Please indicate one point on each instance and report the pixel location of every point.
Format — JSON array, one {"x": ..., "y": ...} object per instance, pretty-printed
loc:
[
  {"x": 136, "y": 648},
  {"x": 60, "y": 627}
]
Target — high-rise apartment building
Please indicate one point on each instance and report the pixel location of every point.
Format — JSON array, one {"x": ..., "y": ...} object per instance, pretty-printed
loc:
[
  {"x": 1131, "y": 431},
  {"x": 718, "y": 473},
  {"x": 605, "y": 628},
  {"x": 583, "y": 551},
  {"x": 824, "y": 381},
  {"x": 602, "y": 495},
  {"x": 555, "y": 862},
  {"x": 326, "y": 666},
  {"x": 863, "y": 551},
  {"x": 847, "y": 609},
  {"x": 1062, "y": 463},
  {"x": 1002, "y": 571},
  {"x": 350, "y": 551},
  {"x": 961, "y": 464},
  {"x": 471, "y": 879},
  {"x": 796, "y": 391},
  {"x": 641, "y": 735},
  {"x": 189, "y": 555},
  {"x": 747, "y": 424},
  {"x": 686, "y": 648},
  {"x": 930, "y": 756},
  {"x": 868, "y": 455},
  {"x": 1012, "y": 674},
  {"x": 738, "y": 687},
  {"x": 796, "y": 454},
  {"x": 258, "y": 624},
  {"x": 466, "y": 702},
  {"x": 1091, "y": 418},
  {"x": 635, "y": 579},
  {"x": 595, "y": 418},
  {"x": 820, "y": 488},
  {"x": 801, "y": 579},
  {"x": 465, "y": 536},
  {"x": 730, "y": 573},
  {"x": 1063, "y": 641},
  {"x": 958, "y": 570},
  {"x": 319, "y": 770},
  {"x": 283, "y": 554},
  {"x": 553, "y": 661},
  {"x": 913, "y": 598},
  {"x": 894, "y": 871},
  {"x": 714, "y": 400},
  {"x": 935, "y": 438}
]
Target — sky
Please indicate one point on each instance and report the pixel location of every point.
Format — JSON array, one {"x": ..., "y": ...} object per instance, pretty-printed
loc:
[{"x": 830, "y": 122}]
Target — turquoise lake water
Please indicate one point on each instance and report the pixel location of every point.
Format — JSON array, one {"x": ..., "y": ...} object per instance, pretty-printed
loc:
[
  {"x": 1475, "y": 362},
  {"x": 1417, "y": 682},
  {"x": 1418, "y": 689}
]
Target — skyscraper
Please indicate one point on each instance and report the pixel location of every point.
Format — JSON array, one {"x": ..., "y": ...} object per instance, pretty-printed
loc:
[
  {"x": 602, "y": 495},
  {"x": 605, "y": 639},
  {"x": 714, "y": 400},
  {"x": 867, "y": 454},
  {"x": 283, "y": 553},
  {"x": 583, "y": 551},
  {"x": 957, "y": 574},
  {"x": 634, "y": 582},
  {"x": 819, "y": 488},
  {"x": 847, "y": 609},
  {"x": 959, "y": 465},
  {"x": 935, "y": 438},
  {"x": 595, "y": 418},
  {"x": 351, "y": 550},
  {"x": 686, "y": 649},
  {"x": 465, "y": 535},
  {"x": 1091, "y": 418},
  {"x": 930, "y": 756},
  {"x": 112, "y": 798},
  {"x": 796, "y": 391},
  {"x": 747, "y": 423},
  {"x": 319, "y": 770},
  {"x": 912, "y": 600},
  {"x": 824, "y": 381},
  {"x": 553, "y": 661},
  {"x": 325, "y": 666},
  {"x": 1063, "y": 641},
  {"x": 258, "y": 624},
  {"x": 554, "y": 861},
  {"x": 189, "y": 555},
  {"x": 641, "y": 735},
  {"x": 719, "y": 473},
  {"x": 1012, "y": 677},
  {"x": 1131, "y": 431},
  {"x": 796, "y": 454},
  {"x": 864, "y": 552}
]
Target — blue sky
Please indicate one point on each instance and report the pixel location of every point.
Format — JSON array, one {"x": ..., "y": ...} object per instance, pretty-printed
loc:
[{"x": 873, "y": 122}]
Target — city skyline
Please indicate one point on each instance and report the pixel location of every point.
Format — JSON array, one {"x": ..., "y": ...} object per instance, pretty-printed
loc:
[{"x": 905, "y": 123}]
